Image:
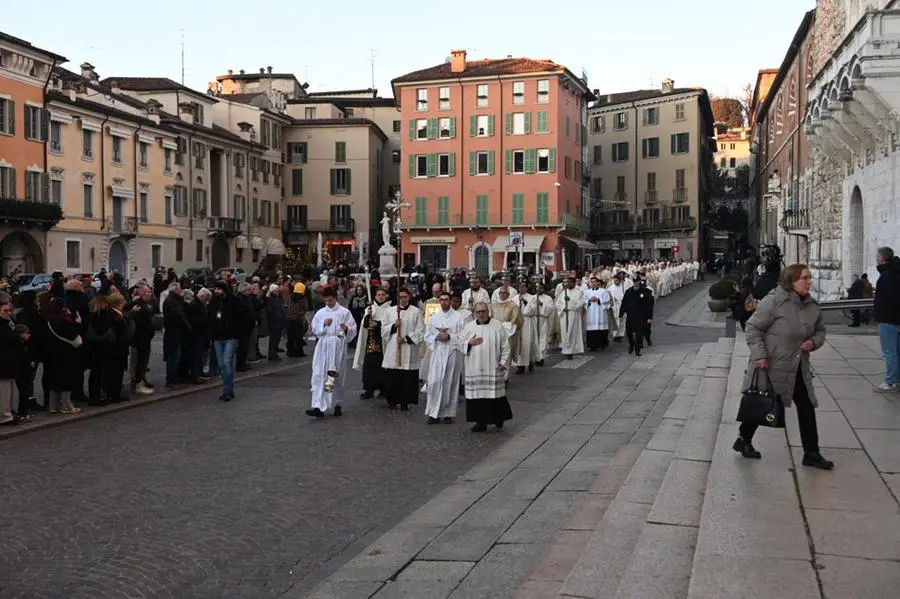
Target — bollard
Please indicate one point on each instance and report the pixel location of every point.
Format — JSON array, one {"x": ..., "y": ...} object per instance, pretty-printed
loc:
[{"x": 730, "y": 327}]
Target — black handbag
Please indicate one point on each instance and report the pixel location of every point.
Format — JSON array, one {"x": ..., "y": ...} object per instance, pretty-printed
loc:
[{"x": 762, "y": 408}]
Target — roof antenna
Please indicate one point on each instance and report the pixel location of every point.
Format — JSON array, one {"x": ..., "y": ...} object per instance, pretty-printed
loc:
[
  {"x": 182, "y": 57},
  {"x": 372, "y": 61}
]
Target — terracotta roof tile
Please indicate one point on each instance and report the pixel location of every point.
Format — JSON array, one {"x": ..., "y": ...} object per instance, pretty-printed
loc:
[
  {"x": 483, "y": 68},
  {"x": 26, "y": 44},
  {"x": 639, "y": 95},
  {"x": 339, "y": 93}
]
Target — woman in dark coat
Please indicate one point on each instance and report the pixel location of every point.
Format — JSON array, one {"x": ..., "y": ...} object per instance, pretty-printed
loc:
[
  {"x": 101, "y": 348},
  {"x": 785, "y": 328},
  {"x": 117, "y": 359},
  {"x": 296, "y": 322},
  {"x": 196, "y": 344},
  {"x": 61, "y": 369}
]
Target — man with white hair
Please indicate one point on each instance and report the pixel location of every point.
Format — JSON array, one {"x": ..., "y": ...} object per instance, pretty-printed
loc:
[
  {"x": 485, "y": 344},
  {"x": 176, "y": 331}
]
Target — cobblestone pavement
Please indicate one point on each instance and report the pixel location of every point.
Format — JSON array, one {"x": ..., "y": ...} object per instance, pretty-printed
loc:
[{"x": 195, "y": 498}]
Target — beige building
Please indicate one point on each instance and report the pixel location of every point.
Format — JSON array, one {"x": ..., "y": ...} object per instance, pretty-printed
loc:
[
  {"x": 278, "y": 87},
  {"x": 732, "y": 149},
  {"x": 220, "y": 176},
  {"x": 649, "y": 156},
  {"x": 111, "y": 165}
]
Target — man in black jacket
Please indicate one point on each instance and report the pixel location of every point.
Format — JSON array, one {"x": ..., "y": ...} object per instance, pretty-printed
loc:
[
  {"x": 637, "y": 308},
  {"x": 768, "y": 280},
  {"x": 176, "y": 330},
  {"x": 229, "y": 318},
  {"x": 141, "y": 312},
  {"x": 887, "y": 315}
]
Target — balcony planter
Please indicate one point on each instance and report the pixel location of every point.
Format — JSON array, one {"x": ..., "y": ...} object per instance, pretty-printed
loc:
[{"x": 40, "y": 213}]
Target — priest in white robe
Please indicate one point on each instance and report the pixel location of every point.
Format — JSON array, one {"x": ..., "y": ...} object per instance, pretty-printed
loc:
[
  {"x": 442, "y": 335},
  {"x": 334, "y": 328},
  {"x": 528, "y": 338},
  {"x": 597, "y": 306},
  {"x": 506, "y": 311},
  {"x": 402, "y": 333},
  {"x": 504, "y": 284},
  {"x": 429, "y": 307},
  {"x": 474, "y": 294},
  {"x": 570, "y": 307},
  {"x": 467, "y": 316},
  {"x": 486, "y": 347},
  {"x": 546, "y": 321},
  {"x": 617, "y": 292}
]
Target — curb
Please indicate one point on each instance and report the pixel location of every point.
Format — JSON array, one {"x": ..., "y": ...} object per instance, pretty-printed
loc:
[{"x": 60, "y": 420}]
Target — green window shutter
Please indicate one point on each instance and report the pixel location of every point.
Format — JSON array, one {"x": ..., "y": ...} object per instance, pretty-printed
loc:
[
  {"x": 421, "y": 211},
  {"x": 28, "y": 122},
  {"x": 349, "y": 172},
  {"x": 473, "y": 126},
  {"x": 530, "y": 160},
  {"x": 443, "y": 210},
  {"x": 432, "y": 128},
  {"x": 518, "y": 208},
  {"x": 412, "y": 129},
  {"x": 472, "y": 164},
  {"x": 481, "y": 209},
  {"x": 491, "y": 126},
  {"x": 452, "y": 164},
  {"x": 452, "y": 126},
  {"x": 528, "y": 122},
  {"x": 509, "y": 161},
  {"x": 12, "y": 118},
  {"x": 431, "y": 165},
  {"x": 542, "y": 215},
  {"x": 412, "y": 167},
  {"x": 577, "y": 135},
  {"x": 332, "y": 181},
  {"x": 509, "y": 119},
  {"x": 552, "y": 160},
  {"x": 491, "y": 162}
]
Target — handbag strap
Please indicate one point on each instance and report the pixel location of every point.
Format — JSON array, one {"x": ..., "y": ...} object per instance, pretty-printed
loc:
[
  {"x": 63, "y": 339},
  {"x": 754, "y": 380}
]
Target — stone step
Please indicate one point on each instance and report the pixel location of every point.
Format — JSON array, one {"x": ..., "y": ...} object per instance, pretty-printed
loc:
[
  {"x": 643, "y": 546},
  {"x": 751, "y": 541}
]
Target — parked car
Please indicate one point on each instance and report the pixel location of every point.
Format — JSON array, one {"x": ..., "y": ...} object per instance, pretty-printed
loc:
[
  {"x": 237, "y": 273},
  {"x": 34, "y": 282},
  {"x": 195, "y": 273}
]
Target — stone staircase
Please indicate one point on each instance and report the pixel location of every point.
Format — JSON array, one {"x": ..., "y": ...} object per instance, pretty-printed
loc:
[
  {"x": 643, "y": 547},
  {"x": 691, "y": 519}
]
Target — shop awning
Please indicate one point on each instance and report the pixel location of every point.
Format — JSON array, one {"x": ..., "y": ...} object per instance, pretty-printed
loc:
[
  {"x": 274, "y": 247},
  {"x": 257, "y": 243},
  {"x": 581, "y": 243},
  {"x": 241, "y": 242},
  {"x": 533, "y": 243}
]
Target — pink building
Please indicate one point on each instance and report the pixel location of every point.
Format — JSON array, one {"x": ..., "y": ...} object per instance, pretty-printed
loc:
[{"x": 492, "y": 157}]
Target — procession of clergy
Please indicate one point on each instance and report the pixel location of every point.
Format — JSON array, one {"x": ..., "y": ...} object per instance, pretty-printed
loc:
[{"x": 467, "y": 344}]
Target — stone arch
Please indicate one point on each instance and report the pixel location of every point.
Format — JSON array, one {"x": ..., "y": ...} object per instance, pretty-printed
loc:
[
  {"x": 856, "y": 71},
  {"x": 199, "y": 180},
  {"x": 856, "y": 229},
  {"x": 117, "y": 258},
  {"x": 20, "y": 251},
  {"x": 481, "y": 259},
  {"x": 179, "y": 177}
]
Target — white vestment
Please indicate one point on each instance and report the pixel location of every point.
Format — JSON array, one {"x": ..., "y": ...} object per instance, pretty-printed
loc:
[
  {"x": 545, "y": 316},
  {"x": 377, "y": 313},
  {"x": 470, "y": 298},
  {"x": 484, "y": 379},
  {"x": 407, "y": 355},
  {"x": 330, "y": 354},
  {"x": 528, "y": 337},
  {"x": 445, "y": 359},
  {"x": 495, "y": 297},
  {"x": 617, "y": 292},
  {"x": 596, "y": 315},
  {"x": 571, "y": 323},
  {"x": 429, "y": 308}
]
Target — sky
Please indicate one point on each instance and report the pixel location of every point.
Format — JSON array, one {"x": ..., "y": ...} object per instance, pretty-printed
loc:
[{"x": 622, "y": 46}]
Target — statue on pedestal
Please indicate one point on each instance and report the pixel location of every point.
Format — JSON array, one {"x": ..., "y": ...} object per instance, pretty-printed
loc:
[{"x": 386, "y": 231}]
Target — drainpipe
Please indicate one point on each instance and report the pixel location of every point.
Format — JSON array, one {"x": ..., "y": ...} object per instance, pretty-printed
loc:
[
  {"x": 462, "y": 152},
  {"x": 103, "y": 175},
  {"x": 47, "y": 101},
  {"x": 134, "y": 161},
  {"x": 502, "y": 157}
]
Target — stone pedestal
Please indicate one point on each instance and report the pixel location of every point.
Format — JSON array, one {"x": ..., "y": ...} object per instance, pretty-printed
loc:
[{"x": 387, "y": 260}]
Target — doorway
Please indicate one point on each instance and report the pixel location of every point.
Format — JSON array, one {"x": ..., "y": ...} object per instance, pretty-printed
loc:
[
  {"x": 118, "y": 258},
  {"x": 857, "y": 229},
  {"x": 433, "y": 257},
  {"x": 483, "y": 261},
  {"x": 221, "y": 254}
]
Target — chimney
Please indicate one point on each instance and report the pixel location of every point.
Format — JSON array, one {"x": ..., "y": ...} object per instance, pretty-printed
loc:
[
  {"x": 186, "y": 112},
  {"x": 230, "y": 72},
  {"x": 246, "y": 131},
  {"x": 667, "y": 86},
  {"x": 262, "y": 71},
  {"x": 153, "y": 106},
  {"x": 241, "y": 71},
  {"x": 114, "y": 86},
  {"x": 88, "y": 72},
  {"x": 457, "y": 61},
  {"x": 269, "y": 70}
]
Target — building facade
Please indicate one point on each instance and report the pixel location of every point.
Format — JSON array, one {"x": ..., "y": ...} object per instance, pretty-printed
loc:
[
  {"x": 111, "y": 166},
  {"x": 492, "y": 163},
  {"x": 219, "y": 178},
  {"x": 732, "y": 149},
  {"x": 783, "y": 183},
  {"x": 764, "y": 79},
  {"x": 650, "y": 154},
  {"x": 852, "y": 123},
  {"x": 26, "y": 209}
]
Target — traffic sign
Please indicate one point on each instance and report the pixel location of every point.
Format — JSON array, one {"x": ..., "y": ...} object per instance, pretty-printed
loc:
[
  {"x": 516, "y": 238},
  {"x": 675, "y": 249}
]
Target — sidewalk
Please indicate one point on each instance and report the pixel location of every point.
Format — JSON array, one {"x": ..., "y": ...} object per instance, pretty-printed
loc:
[
  {"x": 629, "y": 489},
  {"x": 695, "y": 312}
]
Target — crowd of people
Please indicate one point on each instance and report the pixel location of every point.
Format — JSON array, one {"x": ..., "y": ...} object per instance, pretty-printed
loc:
[{"x": 466, "y": 342}]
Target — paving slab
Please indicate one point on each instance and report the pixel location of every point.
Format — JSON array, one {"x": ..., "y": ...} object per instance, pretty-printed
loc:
[
  {"x": 440, "y": 578},
  {"x": 853, "y": 578},
  {"x": 334, "y": 589},
  {"x": 561, "y": 556},
  {"x": 680, "y": 498},
  {"x": 856, "y": 534},
  {"x": 667, "y": 435},
  {"x": 834, "y": 430},
  {"x": 542, "y": 518},
  {"x": 499, "y": 575},
  {"x": 883, "y": 447},
  {"x": 875, "y": 413},
  {"x": 853, "y": 485},
  {"x": 660, "y": 566},
  {"x": 752, "y": 577},
  {"x": 645, "y": 478}
]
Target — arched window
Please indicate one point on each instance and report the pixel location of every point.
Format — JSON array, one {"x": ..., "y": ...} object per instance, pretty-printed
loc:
[
  {"x": 779, "y": 114},
  {"x": 809, "y": 65},
  {"x": 792, "y": 97}
]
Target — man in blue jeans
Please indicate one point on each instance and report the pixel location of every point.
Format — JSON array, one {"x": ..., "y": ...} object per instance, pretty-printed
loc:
[
  {"x": 228, "y": 317},
  {"x": 887, "y": 315}
]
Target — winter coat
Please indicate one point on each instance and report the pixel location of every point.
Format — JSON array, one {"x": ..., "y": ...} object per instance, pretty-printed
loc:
[
  {"x": 887, "y": 292},
  {"x": 782, "y": 322},
  {"x": 62, "y": 368},
  {"x": 11, "y": 350}
]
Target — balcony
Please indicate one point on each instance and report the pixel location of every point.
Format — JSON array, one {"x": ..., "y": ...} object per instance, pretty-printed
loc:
[
  {"x": 853, "y": 101},
  {"x": 651, "y": 197},
  {"x": 450, "y": 221},
  {"x": 637, "y": 225},
  {"x": 679, "y": 195},
  {"x": 620, "y": 198},
  {"x": 796, "y": 221},
  {"x": 224, "y": 225},
  {"x": 319, "y": 226},
  {"x": 122, "y": 226},
  {"x": 617, "y": 226},
  {"x": 40, "y": 214}
]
